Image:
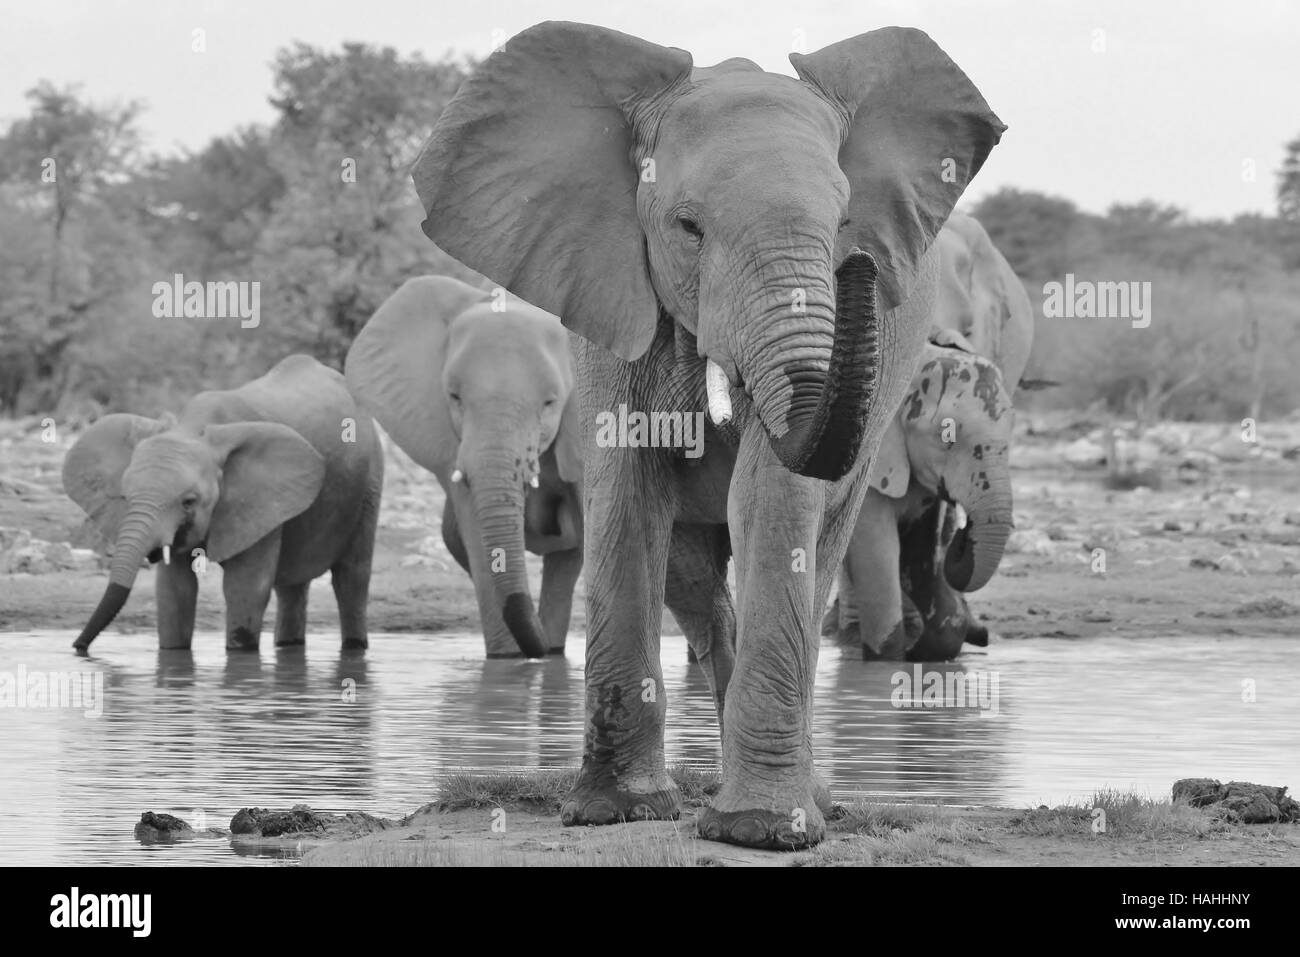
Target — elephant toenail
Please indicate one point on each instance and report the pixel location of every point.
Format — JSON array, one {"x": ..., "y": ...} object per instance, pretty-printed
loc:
[
  {"x": 598, "y": 811},
  {"x": 642, "y": 812},
  {"x": 711, "y": 830},
  {"x": 750, "y": 830}
]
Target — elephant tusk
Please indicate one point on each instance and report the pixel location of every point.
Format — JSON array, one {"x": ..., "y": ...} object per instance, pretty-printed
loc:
[
  {"x": 457, "y": 475},
  {"x": 534, "y": 482},
  {"x": 167, "y": 554},
  {"x": 718, "y": 391},
  {"x": 960, "y": 516}
]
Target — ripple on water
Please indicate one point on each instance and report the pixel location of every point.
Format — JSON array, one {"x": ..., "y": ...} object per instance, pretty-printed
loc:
[{"x": 202, "y": 734}]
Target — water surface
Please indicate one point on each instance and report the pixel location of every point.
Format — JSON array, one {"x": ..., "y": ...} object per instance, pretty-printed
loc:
[{"x": 201, "y": 734}]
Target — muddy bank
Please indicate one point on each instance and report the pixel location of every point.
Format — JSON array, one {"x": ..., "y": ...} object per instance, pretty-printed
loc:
[
  {"x": 1135, "y": 831},
  {"x": 1215, "y": 549}
]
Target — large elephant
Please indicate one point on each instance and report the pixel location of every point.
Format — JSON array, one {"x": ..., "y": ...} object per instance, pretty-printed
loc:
[
  {"x": 479, "y": 390},
  {"x": 730, "y": 238},
  {"x": 984, "y": 307},
  {"x": 277, "y": 481},
  {"x": 906, "y": 565}
]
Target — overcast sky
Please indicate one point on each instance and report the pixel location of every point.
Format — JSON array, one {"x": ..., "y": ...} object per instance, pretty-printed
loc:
[{"x": 1174, "y": 100}]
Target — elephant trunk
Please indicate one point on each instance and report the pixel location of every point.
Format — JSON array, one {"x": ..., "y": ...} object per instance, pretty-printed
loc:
[
  {"x": 976, "y": 550},
  {"x": 828, "y": 413},
  {"x": 498, "y": 497},
  {"x": 135, "y": 539}
]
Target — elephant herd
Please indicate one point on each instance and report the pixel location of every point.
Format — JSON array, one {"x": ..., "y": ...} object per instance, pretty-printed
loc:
[{"x": 778, "y": 252}]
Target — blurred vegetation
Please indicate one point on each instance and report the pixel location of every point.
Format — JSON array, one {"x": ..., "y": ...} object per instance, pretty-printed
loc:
[
  {"x": 1224, "y": 337},
  {"x": 319, "y": 209}
]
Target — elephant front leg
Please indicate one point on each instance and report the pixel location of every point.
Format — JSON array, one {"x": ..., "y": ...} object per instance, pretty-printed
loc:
[
  {"x": 560, "y": 571},
  {"x": 697, "y": 594},
  {"x": 628, "y": 524},
  {"x": 247, "y": 579},
  {"x": 785, "y": 560},
  {"x": 177, "y": 591},
  {"x": 872, "y": 563}
]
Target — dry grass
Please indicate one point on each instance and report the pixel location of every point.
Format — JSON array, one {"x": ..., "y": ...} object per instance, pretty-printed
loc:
[{"x": 1127, "y": 814}]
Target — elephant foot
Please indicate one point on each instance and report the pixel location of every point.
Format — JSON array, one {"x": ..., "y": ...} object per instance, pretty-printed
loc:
[
  {"x": 243, "y": 639},
  {"x": 595, "y": 802},
  {"x": 555, "y": 651},
  {"x": 356, "y": 644},
  {"x": 893, "y": 648},
  {"x": 793, "y": 828}
]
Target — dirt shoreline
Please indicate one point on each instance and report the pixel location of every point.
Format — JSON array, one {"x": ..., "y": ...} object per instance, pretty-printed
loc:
[
  {"x": 1218, "y": 555},
  {"x": 520, "y": 835}
]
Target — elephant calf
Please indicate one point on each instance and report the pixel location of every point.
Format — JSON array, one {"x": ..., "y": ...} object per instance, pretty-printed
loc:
[
  {"x": 480, "y": 391},
  {"x": 278, "y": 481},
  {"x": 907, "y": 564}
]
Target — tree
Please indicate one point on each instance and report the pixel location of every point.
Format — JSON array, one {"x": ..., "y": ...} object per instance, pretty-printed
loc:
[
  {"x": 346, "y": 231},
  {"x": 1288, "y": 183},
  {"x": 65, "y": 159}
]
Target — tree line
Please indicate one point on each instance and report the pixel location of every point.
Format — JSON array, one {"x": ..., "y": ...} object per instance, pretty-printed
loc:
[{"x": 318, "y": 208}]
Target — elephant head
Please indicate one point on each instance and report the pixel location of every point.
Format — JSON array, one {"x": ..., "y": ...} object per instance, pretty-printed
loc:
[
  {"x": 152, "y": 488},
  {"x": 475, "y": 390},
  {"x": 604, "y": 179},
  {"x": 952, "y": 437}
]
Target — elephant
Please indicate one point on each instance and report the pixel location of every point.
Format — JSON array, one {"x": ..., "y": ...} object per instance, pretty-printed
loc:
[
  {"x": 479, "y": 390},
  {"x": 277, "y": 481},
  {"x": 720, "y": 239},
  {"x": 907, "y": 562},
  {"x": 982, "y": 308},
  {"x": 982, "y": 299}
]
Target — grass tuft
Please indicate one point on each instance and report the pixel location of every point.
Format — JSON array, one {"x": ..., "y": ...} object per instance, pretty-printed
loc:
[
  {"x": 1128, "y": 814},
  {"x": 545, "y": 791}
]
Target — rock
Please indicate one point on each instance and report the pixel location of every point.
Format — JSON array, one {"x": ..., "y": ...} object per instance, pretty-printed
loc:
[
  {"x": 161, "y": 828},
  {"x": 1198, "y": 792},
  {"x": 1169, "y": 438},
  {"x": 1230, "y": 564},
  {"x": 1239, "y": 801},
  {"x": 1172, "y": 526},
  {"x": 299, "y": 820},
  {"x": 1029, "y": 541},
  {"x": 1289, "y": 567},
  {"x": 1057, "y": 533},
  {"x": 1233, "y": 449},
  {"x": 1083, "y": 453}
]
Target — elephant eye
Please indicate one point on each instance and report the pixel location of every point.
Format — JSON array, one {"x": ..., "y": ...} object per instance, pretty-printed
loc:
[
  {"x": 189, "y": 501},
  {"x": 455, "y": 397},
  {"x": 691, "y": 226},
  {"x": 549, "y": 402}
]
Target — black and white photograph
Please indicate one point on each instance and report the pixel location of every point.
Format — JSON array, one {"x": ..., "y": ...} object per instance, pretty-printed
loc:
[{"x": 683, "y": 433}]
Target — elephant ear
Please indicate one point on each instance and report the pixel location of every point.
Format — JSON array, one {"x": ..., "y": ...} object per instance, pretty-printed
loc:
[
  {"x": 918, "y": 132},
  {"x": 269, "y": 474},
  {"x": 92, "y": 471},
  {"x": 528, "y": 176},
  {"x": 394, "y": 368},
  {"x": 890, "y": 470}
]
